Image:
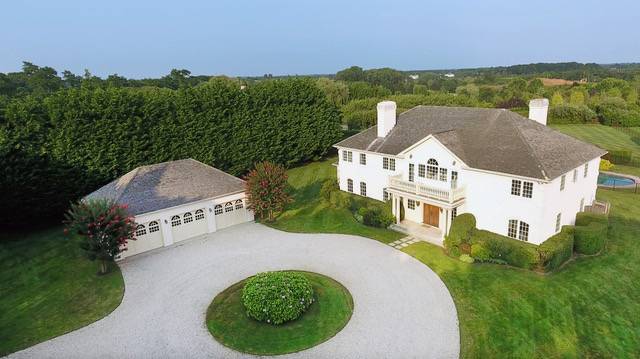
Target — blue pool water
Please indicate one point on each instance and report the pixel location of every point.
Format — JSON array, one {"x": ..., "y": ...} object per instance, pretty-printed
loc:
[{"x": 611, "y": 180}]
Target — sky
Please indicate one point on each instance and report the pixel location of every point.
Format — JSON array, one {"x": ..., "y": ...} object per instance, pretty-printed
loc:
[{"x": 147, "y": 38}]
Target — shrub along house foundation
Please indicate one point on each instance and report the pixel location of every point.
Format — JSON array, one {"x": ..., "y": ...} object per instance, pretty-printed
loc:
[{"x": 518, "y": 177}]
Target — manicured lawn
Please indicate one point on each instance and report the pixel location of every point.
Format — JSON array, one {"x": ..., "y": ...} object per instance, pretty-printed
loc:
[
  {"x": 49, "y": 288},
  {"x": 605, "y": 137},
  {"x": 626, "y": 169},
  {"x": 588, "y": 309},
  {"x": 310, "y": 214},
  {"x": 229, "y": 324}
]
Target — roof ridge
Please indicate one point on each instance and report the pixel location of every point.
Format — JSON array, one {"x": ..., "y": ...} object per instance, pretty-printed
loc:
[
  {"x": 120, "y": 193},
  {"x": 524, "y": 140}
]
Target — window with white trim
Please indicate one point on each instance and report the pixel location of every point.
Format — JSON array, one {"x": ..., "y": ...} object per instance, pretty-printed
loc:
[
  {"x": 199, "y": 215},
  {"x": 154, "y": 227},
  {"x": 432, "y": 169},
  {"x": 363, "y": 158},
  {"x": 350, "y": 185},
  {"x": 187, "y": 217},
  {"x": 386, "y": 195},
  {"x": 562, "y": 181},
  {"x": 411, "y": 203},
  {"x": 582, "y": 205},
  {"x": 558, "y": 221},
  {"x": 523, "y": 233},
  {"x": 575, "y": 175},
  {"x": 239, "y": 204},
  {"x": 422, "y": 171},
  {"x": 412, "y": 171},
  {"x": 527, "y": 189},
  {"x": 347, "y": 156},
  {"x": 512, "y": 231},
  {"x": 516, "y": 186},
  {"x": 363, "y": 189},
  {"x": 140, "y": 230},
  {"x": 228, "y": 207},
  {"x": 217, "y": 210},
  {"x": 176, "y": 221},
  {"x": 443, "y": 174},
  {"x": 454, "y": 213},
  {"x": 586, "y": 169},
  {"x": 389, "y": 163}
]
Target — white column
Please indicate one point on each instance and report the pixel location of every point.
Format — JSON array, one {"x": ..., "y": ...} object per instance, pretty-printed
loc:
[
  {"x": 211, "y": 218},
  {"x": 165, "y": 227}
]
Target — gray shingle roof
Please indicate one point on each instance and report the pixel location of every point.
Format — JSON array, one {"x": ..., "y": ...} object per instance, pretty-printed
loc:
[
  {"x": 168, "y": 184},
  {"x": 489, "y": 139}
]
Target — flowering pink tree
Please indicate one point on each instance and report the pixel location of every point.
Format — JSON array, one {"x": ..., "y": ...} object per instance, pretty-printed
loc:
[
  {"x": 105, "y": 226},
  {"x": 266, "y": 189}
]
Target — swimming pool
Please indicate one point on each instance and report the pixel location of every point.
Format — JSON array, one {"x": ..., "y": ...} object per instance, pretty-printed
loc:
[{"x": 606, "y": 179}]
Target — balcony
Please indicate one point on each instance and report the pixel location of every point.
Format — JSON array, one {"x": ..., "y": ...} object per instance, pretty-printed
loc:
[{"x": 422, "y": 190}]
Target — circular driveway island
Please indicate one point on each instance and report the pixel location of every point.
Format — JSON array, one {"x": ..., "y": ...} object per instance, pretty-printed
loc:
[{"x": 401, "y": 308}]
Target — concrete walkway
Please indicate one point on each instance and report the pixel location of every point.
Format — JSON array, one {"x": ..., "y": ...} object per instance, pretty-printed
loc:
[{"x": 402, "y": 309}]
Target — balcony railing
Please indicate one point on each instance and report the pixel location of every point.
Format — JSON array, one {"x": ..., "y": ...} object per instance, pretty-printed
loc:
[{"x": 446, "y": 195}]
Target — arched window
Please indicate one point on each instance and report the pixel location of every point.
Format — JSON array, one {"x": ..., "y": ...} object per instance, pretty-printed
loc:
[
  {"x": 154, "y": 227},
  {"x": 217, "y": 209},
  {"x": 140, "y": 230},
  {"x": 188, "y": 217},
  {"x": 432, "y": 169},
  {"x": 228, "y": 207},
  {"x": 239, "y": 204},
  {"x": 175, "y": 221},
  {"x": 199, "y": 215}
]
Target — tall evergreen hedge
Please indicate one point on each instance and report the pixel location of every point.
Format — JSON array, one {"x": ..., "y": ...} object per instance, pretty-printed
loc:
[{"x": 58, "y": 148}]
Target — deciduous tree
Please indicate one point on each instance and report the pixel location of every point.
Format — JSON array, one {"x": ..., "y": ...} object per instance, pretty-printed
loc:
[{"x": 266, "y": 189}]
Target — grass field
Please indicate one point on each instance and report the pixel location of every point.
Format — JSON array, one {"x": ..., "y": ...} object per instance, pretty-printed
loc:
[
  {"x": 229, "y": 324},
  {"x": 309, "y": 214},
  {"x": 588, "y": 309},
  {"x": 49, "y": 288},
  {"x": 605, "y": 137}
]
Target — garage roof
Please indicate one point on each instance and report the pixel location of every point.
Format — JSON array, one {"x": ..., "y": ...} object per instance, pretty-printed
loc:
[{"x": 168, "y": 184}]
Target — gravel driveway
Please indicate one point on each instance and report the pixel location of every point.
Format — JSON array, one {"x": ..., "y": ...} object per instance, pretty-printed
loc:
[{"x": 402, "y": 309}]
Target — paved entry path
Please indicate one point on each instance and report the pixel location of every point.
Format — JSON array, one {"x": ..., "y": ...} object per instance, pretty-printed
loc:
[{"x": 401, "y": 308}]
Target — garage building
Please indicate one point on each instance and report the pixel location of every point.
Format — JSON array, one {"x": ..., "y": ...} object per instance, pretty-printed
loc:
[{"x": 177, "y": 200}]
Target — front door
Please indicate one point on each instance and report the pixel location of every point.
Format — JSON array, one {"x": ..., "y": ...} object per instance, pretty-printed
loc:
[{"x": 431, "y": 215}]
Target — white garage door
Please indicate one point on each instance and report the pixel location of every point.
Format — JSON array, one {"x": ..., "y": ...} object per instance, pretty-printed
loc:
[
  {"x": 148, "y": 237},
  {"x": 230, "y": 213},
  {"x": 188, "y": 224}
]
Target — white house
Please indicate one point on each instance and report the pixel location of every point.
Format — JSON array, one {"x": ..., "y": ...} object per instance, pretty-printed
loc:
[
  {"x": 177, "y": 200},
  {"x": 517, "y": 176}
]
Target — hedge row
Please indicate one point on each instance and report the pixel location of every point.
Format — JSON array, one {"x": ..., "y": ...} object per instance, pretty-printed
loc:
[
  {"x": 588, "y": 237},
  {"x": 368, "y": 211},
  {"x": 58, "y": 148}
]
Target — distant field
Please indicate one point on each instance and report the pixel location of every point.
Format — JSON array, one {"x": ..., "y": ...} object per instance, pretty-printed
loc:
[
  {"x": 606, "y": 137},
  {"x": 558, "y": 82}
]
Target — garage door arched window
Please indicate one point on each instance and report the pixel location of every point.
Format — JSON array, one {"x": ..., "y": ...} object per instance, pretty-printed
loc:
[
  {"x": 140, "y": 230},
  {"x": 228, "y": 207},
  {"x": 239, "y": 204},
  {"x": 199, "y": 215},
  {"x": 154, "y": 227},
  {"x": 217, "y": 210},
  {"x": 175, "y": 221},
  {"x": 188, "y": 217}
]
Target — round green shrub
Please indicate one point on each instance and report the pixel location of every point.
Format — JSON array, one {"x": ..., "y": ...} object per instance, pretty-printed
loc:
[
  {"x": 480, "y": 252},
  {"x": 277, "y": 297},
  {"x": 466, "y": 258}
]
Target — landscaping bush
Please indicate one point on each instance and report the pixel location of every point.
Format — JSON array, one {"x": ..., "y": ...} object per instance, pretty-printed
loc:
[
  {"x": 513, "y": 252},
  {"x": 590, "y": 239},
  {"x": 586, "y": 218},
  {"x": 461, "y": 231},
  {"x": 605, "y": 165},
  {"x": 480, "y": 253},
  {"x": 340, "y": 199},
  {"x": 376, "y": 216},
  {"x": 277, "y": 297},
  {"x": 329, "y": 186},
  {"x": 568, "y": 114},
  {"x": 556, "y": 250}
]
